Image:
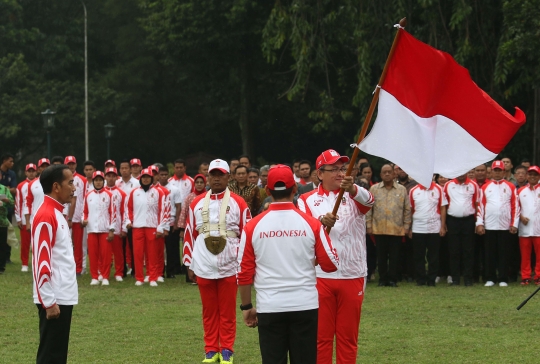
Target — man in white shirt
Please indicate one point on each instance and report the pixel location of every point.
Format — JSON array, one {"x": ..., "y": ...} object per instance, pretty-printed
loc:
[{"x": 278, "y": 253}]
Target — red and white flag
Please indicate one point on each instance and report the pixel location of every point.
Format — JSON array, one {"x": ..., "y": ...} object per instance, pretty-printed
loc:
[{"x": 432, "y": 118}]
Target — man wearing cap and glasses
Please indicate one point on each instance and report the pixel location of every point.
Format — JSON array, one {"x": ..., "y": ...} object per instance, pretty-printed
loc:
[
  {"x": 20, "y": 200},
  {"x": 497, "y": 217},
  {"x": 214, "y": 223},
  {"x": 278, "y": 253},
  {"x": 340, "y": 293}
]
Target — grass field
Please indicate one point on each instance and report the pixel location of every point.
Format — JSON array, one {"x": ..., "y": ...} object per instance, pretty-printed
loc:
[{"x": 127, "y": 324}]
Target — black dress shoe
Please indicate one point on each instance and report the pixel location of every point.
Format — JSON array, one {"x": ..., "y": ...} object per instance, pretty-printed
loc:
[
  {"x": 382, "y": 284},
  {"x": 392, "y": 284},
  {"x": 171, "y": 276},
  {"x": 420, "y": 283},
  {"x": 455, "y": 283},
  {"x": 431, "y": 284},
  {"x": 468, "y": 283}
]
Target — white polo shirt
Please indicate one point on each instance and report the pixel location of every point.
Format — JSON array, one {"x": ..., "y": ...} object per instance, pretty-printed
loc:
[
  {"x": 462, "y": 198},
  {"x": 426, "y": 208}
]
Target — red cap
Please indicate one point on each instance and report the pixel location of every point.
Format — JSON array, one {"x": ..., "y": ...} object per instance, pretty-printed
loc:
[
  {"x": 110, "y": 161},
  {"x": 330, "y": 156},
  {"x": 497, "y": 164},
  {"x": 280, "y": 173},
  {"x": 98, "y": 174},
  {"x": 135, "y": 161},
  {"x": 111, "y": 170},
  {"x": 70, "y": 159},
  {"x": 33, "y": 166},
  {"x": 153, "y": 169},
  {"x": 531, "y": 169},
  {"x": 147, "y": 172},
  {"x": 43, "y": 160}
]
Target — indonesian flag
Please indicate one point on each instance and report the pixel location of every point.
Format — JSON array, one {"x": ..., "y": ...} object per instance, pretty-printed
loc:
[{"x": 432, "y": 118}]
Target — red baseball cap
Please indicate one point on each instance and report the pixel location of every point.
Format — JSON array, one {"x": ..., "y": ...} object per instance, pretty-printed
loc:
[
  {"x": 42, "y": 161},
  {"x": 98, "y": 174},
  {"x": 219, "y": 164},
  {"x": 280, "y": 173},
  {"x": 330, "y": 156},
  {"x": 147, "y": 172},
  {"x": 534, "y": 169},
  {"x": 110, "y": 161},
  {"x": 111, "y": 170},
  {"x": 154, "y": 169},
  {"x": 135, "y": 161},
  {"x": 497, "y": 164},
  {"x": 33, "y": 166},
  {"x": 70, "y": 159}
]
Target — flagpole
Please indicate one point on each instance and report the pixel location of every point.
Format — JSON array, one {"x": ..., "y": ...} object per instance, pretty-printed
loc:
[{"x": 369, "y": 115}]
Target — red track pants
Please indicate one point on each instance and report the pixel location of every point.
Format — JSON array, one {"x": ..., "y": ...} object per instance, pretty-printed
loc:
[
  {"x": 100, "y": 254},
  {"x": 160, "y": 246},
  {"x": 118, "y": 254},
  {"x": 77, "y": 237},
  {"x": 526, "y": 245},
  {"x": 218, "y": 298},
  {"x": 25, "y": 245},
  {"x": 340, "y": 307},
  {"x": 145, "y": 242}
]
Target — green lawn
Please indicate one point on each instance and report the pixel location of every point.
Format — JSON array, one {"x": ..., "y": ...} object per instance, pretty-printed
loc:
[{"x": 127, "y": 324}]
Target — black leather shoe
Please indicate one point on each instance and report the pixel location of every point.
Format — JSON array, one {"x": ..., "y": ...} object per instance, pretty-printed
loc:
[
  {"x": 420, "y": 283},
  {"x": 455, "y": 283},
  {"x": 382, "y": 284},
  {"x": 431, "y": 284},
  {"x": 392, "y": 284},
  {"x": 468, "y": 283},
  {"x": 171, "y": 276}
]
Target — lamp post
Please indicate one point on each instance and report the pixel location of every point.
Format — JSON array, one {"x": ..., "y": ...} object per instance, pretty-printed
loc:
[
  {"x": 109, "y": 131},
  {"x": 48, "y": 124},
  {"x": 86, "y": 147}
]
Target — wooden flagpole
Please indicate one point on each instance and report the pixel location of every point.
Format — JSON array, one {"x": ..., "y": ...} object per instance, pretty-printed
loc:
[{"x": 369, "y": 115}]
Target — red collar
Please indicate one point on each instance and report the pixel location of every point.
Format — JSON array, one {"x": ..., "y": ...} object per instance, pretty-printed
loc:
[
  {"x": 279, "y": 206},
  {"x": 51, "y": 201},
  {"x": 218, "y": 196},
  {"x": 432, "y": 186},
  {"x": 179, "y": 179},
  {"x": 111, "y": 188},
  {"x": 322, "y": 192}
]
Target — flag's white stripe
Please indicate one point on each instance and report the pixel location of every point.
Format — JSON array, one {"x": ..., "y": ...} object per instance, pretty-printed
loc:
[{"x": 422, "y": 146}]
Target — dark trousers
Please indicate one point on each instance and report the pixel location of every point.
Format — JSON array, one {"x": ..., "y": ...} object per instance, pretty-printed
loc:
[
  {"x": 371, "y": 252},
  {"x": 406, "y": 265},
  {"x": 129, "y": 240},
  {"x": 288, "y": 332},
  {"x": 387, "y": 257},
  {"x": 444, "y": 261},
  {"x": 54, "y": 336},
  {"x": 498, "y": 243},
  {"x": 461, "y": 246},
  {"x": 3, "y": 248},
  {"x": 172, "y": 244},
  {"x": 423, "y": 243},
  {"x": 514, "y": 258},
  {"x": 8, "y": 252},
  {"x": 479, "y": 258}
]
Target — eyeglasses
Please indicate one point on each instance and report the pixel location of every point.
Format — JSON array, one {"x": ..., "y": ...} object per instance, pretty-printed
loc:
[{"x": 335, "y": 170}]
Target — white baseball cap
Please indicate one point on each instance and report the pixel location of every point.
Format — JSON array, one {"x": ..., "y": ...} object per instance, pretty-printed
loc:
[{"x": 219, "y": 164}]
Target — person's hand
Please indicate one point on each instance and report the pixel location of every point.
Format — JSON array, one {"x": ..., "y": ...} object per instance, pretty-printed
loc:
[
  {"x": 409, "y": 234},
  {"x": 83, "y": 224},
  {"x": 250, "y": 317},
  {"x": 182, "y": 231},
  {"x": 111, "y": 236},
  {"x": 480, "y": 230},
  {"x": 328, "y": 220},
  {"x": 348, "y": 184},
  {"x": 123, "y": 234},
  {"x": 5, "y": 200},
  {"x": 28, "y": 227},
  {"x": 524, "y": 220},
  {"x": 159, "y": 235},
  {"x": 70, "y": 224},
  {"x": 443, "y": 230},
  {"x": 191, "y": 275},
  {"x": 128, "y": 226},
  {"x": 19, "y": 224},
  {"x": 53, "y": 312},
  {"x": 166, "y": 233},
  {"x": 369, "y": 231},
  {"x": 513, "y": 230},
  {"x": 175, "y": 228}
]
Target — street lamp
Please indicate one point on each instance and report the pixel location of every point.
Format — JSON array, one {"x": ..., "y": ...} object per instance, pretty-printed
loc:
[
  {"x": 109, "y": 131},
  {"x": 48, "y": 124}
]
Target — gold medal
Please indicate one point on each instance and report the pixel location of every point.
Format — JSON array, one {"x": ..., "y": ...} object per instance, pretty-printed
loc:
[{"x": 215, "y": 244}]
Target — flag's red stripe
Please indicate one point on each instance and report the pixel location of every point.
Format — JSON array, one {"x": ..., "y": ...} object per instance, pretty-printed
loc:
[{"x": 430, "y": 82}]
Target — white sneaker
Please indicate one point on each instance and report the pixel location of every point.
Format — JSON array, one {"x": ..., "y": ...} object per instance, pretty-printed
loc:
[
  {"x": 100, "y": 278},
  {"x": 437, "y": 279},
  {"x": 146, "y": 279},
  {"x": 503, "y": 284},
  {"x": 449, "y": 280},
  {"x": 105, "y": 282},
  {"x": 138, "y": 283},
  {"x": 119, "y": 279},
  {"x": 94, "y": 282},
  {"x": 24, "y": 268},
  {"x": 489, "y": 284},
  {"x": 128, "y": 271},
  {"x": 153, "y": 284},
  {"x": 161, "y": 279}
]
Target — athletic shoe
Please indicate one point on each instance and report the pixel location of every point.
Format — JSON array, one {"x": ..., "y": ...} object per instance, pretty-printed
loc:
[
  {"x": 503, "y": 284},
  {"x": 489, "y": 284},
  {"x": 211, "y": 357},
  {"x": 226, "y": 357},
  {"x": 119, "y": 279},
  {"x": 161, "y": 279},
  {"x": 94, "y": 282},
  {"x": 525, "y": 282},
  {"x": 105, "y": 282},
  {"x": 449, "y": 280},
  {"x": 139, "y": 283},
  {"x": 100, "y": 278},
  {"x": 146, "y": 279},
  {"x": 128, "y": 272},
  {"x": 437, "y": 279},
  {"x": 153, "y": 284},
  {"x": 24, "y": 268}
]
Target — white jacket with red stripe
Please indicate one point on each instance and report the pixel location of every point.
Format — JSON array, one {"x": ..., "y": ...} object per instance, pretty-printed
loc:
[
  {"x": 20, "y": 200},
  {"x": 498, "y": 208},
  {"x": 147, "y": 209},
  {"x": 120, "y": 204},
  {"x": 80, "y": 192},
  {"x": 34, "y": 198},
  {"x": 196, "y": 256},
  {"x": 277, "y": 254},
  {"x": 54, "y": 278},
  {"x": 100, "y": 212},
  {"x": 426, "y": 208},
  {"x": 349, "y": 232},
  {"x": 529, "y": 205}
]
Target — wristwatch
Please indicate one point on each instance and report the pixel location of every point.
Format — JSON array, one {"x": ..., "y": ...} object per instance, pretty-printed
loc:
[{"x": 249, "y": 306}]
